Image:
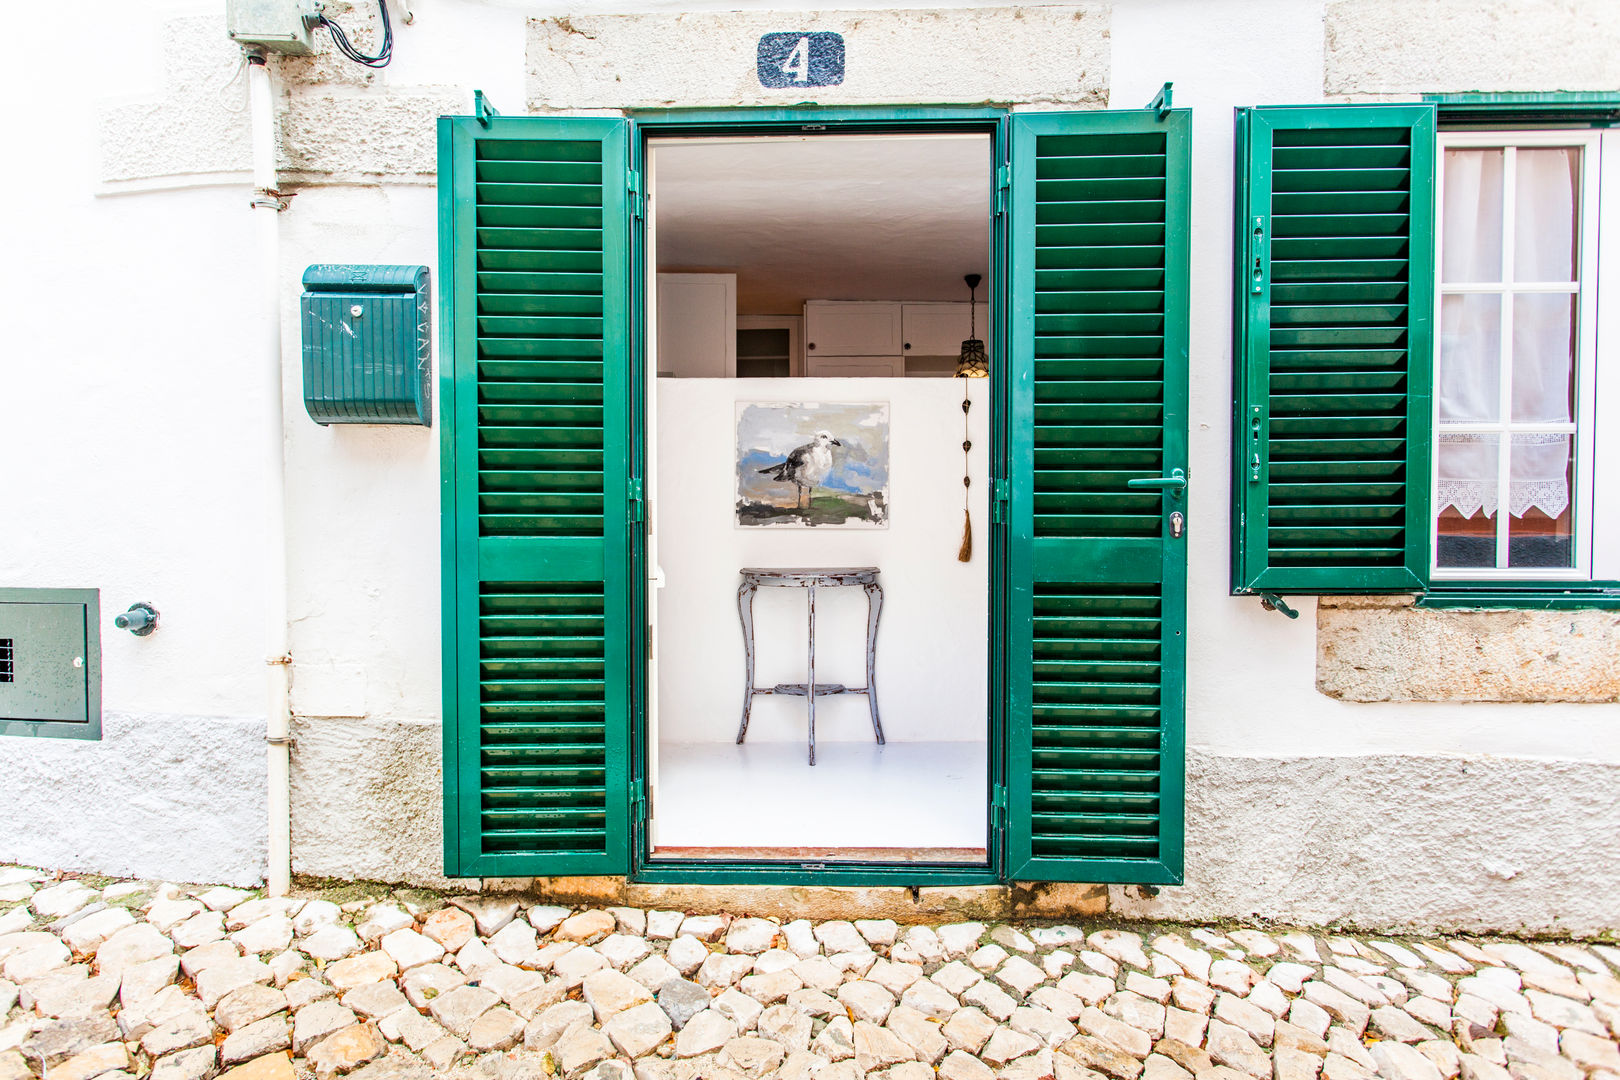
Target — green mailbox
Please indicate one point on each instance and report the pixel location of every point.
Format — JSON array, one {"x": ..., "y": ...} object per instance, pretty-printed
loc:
[
  {"x": 367, "y": 350},
  {"x": 50, "y": 663}
]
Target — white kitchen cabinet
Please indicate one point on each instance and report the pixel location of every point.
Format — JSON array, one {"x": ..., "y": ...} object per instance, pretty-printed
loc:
[
  {"x": 844, "y": 367},
  {"x": 851, "y": 328},
  {"x": 939, "y": 329},
  {"x": 697, "y": 326}
]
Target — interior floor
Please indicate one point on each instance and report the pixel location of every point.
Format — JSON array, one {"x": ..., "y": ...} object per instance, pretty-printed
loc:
[{"x": 911, "y": 802}]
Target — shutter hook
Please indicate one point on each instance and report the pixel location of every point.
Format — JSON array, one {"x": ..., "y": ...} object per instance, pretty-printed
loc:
[{"x": 1273, "y": 602}]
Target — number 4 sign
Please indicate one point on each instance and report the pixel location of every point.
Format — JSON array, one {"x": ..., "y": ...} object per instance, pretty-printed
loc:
[{"x": 793, "y": 59}]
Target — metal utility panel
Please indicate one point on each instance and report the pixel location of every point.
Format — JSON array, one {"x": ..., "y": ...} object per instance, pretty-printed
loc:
[
  {"x": 274, "y": 25},
  {"x": 50, "y": 663},
  {"x": 367, "y": 347}
]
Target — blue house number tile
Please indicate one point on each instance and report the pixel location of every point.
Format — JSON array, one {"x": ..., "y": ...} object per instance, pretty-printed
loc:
[{"x": 793, "y": 59}]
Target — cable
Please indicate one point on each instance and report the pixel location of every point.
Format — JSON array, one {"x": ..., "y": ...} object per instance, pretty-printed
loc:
[{"x": 341, "y": 40}]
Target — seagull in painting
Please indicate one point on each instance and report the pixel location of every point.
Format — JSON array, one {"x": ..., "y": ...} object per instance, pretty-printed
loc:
[{"x": 806, "y": 466}]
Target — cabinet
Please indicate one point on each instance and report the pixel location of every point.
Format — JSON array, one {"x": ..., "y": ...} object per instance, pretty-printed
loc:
[
  {"x": 697, "y": 326},
  {"x": 939, "y": 329},
  {"x": 852, "y": 328}
]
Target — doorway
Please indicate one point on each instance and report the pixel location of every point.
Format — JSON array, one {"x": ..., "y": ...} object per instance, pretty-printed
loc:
[{"x": 806, "y": 291}]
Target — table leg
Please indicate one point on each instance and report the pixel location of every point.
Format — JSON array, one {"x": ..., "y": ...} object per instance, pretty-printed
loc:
[
  {"x": 745, "y": 612},
  {"x": 810, "y": 685},
  {"x": 874, "y": 608}
]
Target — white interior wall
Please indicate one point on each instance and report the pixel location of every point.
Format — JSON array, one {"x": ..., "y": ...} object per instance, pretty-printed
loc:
[{"x": 931, "y": 652}]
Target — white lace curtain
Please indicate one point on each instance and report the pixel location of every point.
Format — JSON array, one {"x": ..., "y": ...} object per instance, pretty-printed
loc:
[{"x": 1471, "y": 329}]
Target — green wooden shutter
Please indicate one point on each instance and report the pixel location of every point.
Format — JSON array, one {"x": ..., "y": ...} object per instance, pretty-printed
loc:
[
  {"x": 535, "y": 412},
  {"x": 1097, "y": 588},
  {"x": 1333, "y": 322}
]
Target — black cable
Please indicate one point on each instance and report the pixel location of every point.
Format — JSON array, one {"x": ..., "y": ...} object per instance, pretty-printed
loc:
[{"x": 341, "y": 40}]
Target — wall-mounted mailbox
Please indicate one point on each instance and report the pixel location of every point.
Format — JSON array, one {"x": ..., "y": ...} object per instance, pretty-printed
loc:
[
  {"x": 50, "y": 663},
  {"x": 366, "y": 344}
]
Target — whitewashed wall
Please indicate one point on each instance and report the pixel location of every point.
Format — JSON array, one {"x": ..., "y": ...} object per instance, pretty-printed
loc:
[
  {"x": 129, "y": 394},
  {"x": 931, "y": 645}
]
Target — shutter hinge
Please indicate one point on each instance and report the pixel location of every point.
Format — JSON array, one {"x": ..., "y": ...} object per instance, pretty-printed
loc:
[
  {"x": 637, "y": 499},
  {"x": 638, "y": 201},
  {"x": 998, "y": 501},
  {"x": 998, "y": 806},
  {"x": 1003, "y": 187},
  {"x": 638, "y": 803}
]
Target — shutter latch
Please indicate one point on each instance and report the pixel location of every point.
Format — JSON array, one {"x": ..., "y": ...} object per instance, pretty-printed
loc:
[
  {"x": 998, "y": 508},
  {"x": 637, "y": 499},
  {"x": 1273, "y": 602}
]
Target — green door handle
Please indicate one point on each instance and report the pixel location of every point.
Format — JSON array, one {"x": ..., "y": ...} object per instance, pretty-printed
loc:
[{"x": 1175, "y": 483}]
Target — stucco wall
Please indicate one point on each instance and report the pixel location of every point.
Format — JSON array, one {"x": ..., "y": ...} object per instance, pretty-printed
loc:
[
  {"x": 1441, "y": 46},
  {"x": 174, "y": 797},
  {"x": 1022, "y": 53},
  {"x": 1397, "y": 842}
]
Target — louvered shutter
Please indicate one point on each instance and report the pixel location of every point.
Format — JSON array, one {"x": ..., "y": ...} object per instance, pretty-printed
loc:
[
  {"x": 1333, "y": 320},
  {"x": 1097, "y": 597},
  {"x": 535, "y": 401}
]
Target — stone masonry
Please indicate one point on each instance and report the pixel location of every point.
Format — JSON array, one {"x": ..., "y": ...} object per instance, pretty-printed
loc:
[{"x": 135, "y": 979}]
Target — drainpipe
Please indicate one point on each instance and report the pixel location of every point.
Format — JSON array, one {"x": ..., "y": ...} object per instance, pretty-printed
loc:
[{"x": 267, "y": 206}]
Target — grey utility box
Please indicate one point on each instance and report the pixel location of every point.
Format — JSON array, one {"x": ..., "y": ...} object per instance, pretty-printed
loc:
[
  {"x": 282, "y": 26},
  {"x": 50, "y": 663},
  {"x": 367, "y": 349}
]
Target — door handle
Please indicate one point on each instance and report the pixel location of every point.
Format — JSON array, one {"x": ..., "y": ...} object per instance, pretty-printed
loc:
[{"x": 1173, "y": 485}]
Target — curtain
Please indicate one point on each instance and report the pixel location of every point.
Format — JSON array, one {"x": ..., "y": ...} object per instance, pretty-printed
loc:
[{"x": 1542, "y": 345}]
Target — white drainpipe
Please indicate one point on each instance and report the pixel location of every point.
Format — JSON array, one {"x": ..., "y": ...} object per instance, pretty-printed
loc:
[{"x": 267, "y": 207}]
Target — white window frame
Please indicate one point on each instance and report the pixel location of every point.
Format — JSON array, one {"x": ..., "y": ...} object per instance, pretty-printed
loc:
[{"x": 1596, "y": 527}]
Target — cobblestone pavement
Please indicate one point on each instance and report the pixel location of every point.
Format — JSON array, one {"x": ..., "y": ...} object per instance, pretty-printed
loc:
[{"x": 130, "y": 979}]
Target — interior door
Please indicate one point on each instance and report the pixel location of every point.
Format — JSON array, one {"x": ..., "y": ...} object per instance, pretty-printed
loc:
[{"x": 1097, "y": 448}]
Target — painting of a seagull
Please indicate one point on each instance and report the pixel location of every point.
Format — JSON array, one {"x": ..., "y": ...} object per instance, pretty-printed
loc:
[{"x": 813, "y": 465}]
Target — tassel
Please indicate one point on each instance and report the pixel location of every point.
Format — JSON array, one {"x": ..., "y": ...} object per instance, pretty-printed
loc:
[{"x": 966, "y": 552}]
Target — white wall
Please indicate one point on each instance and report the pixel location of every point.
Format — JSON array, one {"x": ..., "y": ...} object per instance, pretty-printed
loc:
[{"x": 931, "y": 652}]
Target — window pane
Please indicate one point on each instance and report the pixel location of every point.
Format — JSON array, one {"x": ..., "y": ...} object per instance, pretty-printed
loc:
[
  {"x": 1543, "y": 357},
  {"x": 1540, "y": 525},
  {"x": 1470, "y": 356},
  {"x": 1466, "y": 501},
  {"x": 1471, "y": 236},
  {"x": 1544, "y": 214}
]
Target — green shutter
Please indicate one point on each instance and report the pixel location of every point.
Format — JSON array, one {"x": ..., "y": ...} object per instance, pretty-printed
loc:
[
  {"x": 534, "y": 412},
  {"x": 1334, "y": 334},
  {"x": 1096, "y": 602}
]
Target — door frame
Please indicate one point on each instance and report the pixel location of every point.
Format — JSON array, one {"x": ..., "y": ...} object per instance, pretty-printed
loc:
[{"x": 674, "y": 123}]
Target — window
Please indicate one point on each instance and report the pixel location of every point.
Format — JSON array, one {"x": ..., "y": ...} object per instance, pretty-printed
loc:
[
  {"x": 1419, "y": 375},
  {"x": 1517, "y": 349}
]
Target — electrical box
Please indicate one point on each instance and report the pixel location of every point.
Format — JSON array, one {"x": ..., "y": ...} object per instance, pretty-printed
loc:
[
  {"x": 367, "y": 349},
  {"x": 283, "y": 26},
  {"x": 50, "y": 663}
]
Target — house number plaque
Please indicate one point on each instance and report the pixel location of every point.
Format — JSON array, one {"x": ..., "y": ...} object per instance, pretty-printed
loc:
[{"x": 801, "y": 59}]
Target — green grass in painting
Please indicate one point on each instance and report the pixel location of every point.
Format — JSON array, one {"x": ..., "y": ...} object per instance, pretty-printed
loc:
[{"x": 828, "y": 509}]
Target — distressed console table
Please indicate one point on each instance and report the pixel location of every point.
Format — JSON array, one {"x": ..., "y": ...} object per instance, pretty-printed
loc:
[{"x": 810, "y": 579}]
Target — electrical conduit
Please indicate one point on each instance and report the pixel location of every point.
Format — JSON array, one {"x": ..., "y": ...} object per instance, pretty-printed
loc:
[{"x": 267, "y": 207}]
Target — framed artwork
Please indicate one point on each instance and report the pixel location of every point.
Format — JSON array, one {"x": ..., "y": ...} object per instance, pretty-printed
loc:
[{"x": 812, "y": 465}]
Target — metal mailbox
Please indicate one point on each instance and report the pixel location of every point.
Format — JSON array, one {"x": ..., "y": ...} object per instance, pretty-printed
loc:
[{"x": 367, "y": 356}]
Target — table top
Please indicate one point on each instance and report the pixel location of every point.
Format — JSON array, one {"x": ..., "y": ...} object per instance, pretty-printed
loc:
[{"x": 810, "y": 575}]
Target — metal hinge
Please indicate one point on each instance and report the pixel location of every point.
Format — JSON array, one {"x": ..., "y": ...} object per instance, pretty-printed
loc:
[
  {"x": 998, "y": 805},
  {"x": 638, "y": 202},
  {"x": 1003, "y": 187},
  {"x": 638, "y": 501},
  {"x": 638, "y": 805},
  {"x": 998, "y": 501}
]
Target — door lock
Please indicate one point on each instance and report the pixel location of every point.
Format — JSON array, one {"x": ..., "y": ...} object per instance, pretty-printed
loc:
[{"x": 1178, "y": 524}]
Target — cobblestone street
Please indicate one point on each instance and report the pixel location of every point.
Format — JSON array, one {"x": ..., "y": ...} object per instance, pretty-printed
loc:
[{"x": 129, "y": 979}]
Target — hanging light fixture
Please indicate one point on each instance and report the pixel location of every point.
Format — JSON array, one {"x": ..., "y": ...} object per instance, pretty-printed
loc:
[{"x": 973, "y": 363}]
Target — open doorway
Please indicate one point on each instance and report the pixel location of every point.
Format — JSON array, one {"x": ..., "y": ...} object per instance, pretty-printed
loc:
[{"x": 807, "y": 308}]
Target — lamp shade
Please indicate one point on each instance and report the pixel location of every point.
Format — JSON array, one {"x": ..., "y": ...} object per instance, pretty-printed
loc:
[{"x": 974, "y": 363}]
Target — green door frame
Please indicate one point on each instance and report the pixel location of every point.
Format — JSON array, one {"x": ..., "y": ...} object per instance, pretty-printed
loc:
[{"x": 668, "y": 123}]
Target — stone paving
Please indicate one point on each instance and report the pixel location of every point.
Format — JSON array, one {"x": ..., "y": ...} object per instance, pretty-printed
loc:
[{"x": 133, "y": 979}]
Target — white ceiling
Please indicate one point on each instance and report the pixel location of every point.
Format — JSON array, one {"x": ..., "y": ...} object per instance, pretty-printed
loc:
[{"x": 825, "y": 217}]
